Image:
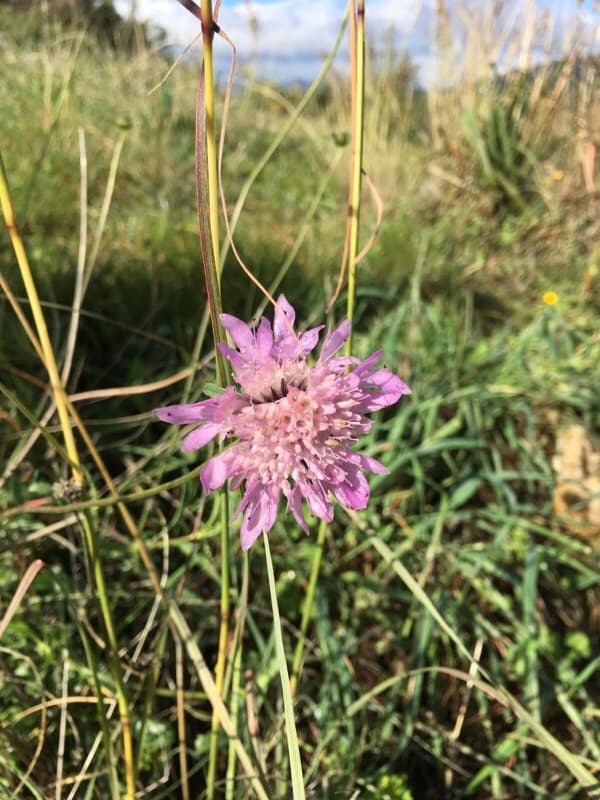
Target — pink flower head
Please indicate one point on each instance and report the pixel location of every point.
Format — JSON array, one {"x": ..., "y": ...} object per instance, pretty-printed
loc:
[{"x": 294, "y": 423}]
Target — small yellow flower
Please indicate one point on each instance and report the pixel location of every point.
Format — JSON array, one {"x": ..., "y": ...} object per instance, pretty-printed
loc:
[
  {"x": 558, "y": 174},
  {"x": 550, "y": 298}
]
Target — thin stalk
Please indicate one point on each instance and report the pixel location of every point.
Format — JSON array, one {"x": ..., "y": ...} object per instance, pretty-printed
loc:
[
  {"x": 207, "y": 194},
  {"x": 81, "y": 257},
  {"x": 223, "y": 642},
  {"x": 179, "y": 683},
  {"x": 208, "y": 32},
  {"x": 124, "y": 716},
  {"x": 58, "y": 390},
  {"x": 208, "y": 216},
  {"x": 62, "y": 405},
  {"x": 236, "y": 692},
  {"x": 288, "y": 702},
  {"x": 235, "y": 677},
  {"x": 308, "y": 605},
  {"x": 102, "y": 715},
  {"x": 62, "y": 729},
  {"x": 357, "y": 69}
]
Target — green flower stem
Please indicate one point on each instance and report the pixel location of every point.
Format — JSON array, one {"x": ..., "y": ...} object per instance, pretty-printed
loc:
[
  {"x": 223, "y": 642},
  {"x": 357, "y": 69},
  {"x": 233, "y": 677},
  {"x": 308, "y": 605},
  {"x": 288, "y": 703},
  {"x": 230, "y": 785}
]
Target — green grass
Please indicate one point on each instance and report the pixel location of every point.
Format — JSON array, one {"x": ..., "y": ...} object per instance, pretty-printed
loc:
[{"x": 452, "y": 293}]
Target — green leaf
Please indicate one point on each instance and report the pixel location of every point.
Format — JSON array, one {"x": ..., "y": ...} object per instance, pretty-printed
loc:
[
  {"x": 212, "y": 389},
  {"x": 463, "y": 492}
]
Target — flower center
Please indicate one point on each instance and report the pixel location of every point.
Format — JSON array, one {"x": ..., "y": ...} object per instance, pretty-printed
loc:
[{"x": 267, "y": 383}]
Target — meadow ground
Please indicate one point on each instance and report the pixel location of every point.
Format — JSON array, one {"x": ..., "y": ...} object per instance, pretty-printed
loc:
[{"x": 482, "y": 289}]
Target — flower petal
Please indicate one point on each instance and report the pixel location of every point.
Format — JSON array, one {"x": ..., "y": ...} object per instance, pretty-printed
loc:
[
  {"x": 295, "y": 504},
  {"x": 250, "y": 530},
  {"x": 264, "y": 338},
  {"x": 216, "y": 471},
  {"x": 389, "y": 390},
  {"x": 309, "y": 340},
  {"x": 185, "y": 413},
  {"x": 295, "y": 423},
  {"x": 235, "y": 358},
  {"x": 240, "y": 333},
  {"x": 200, "y": 436},
  {"x": 317, "y": 500},
  {"x": 283, "y": 311},
  {"x": 354, "y": 492},
  {"x": 334, "y": 341},
  {"x": 366, "y": 462},
  {"x": 259, "y": 516}
]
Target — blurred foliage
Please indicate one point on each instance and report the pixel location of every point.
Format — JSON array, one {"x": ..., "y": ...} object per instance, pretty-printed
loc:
[
  {"x": 507, "y": 146},
  {"x": 29, "y": 21}
]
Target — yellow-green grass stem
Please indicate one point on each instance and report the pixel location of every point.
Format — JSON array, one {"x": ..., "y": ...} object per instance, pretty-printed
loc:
[
  {"x": 207, "y": 192},
  {"x": 286, "y": 690},
  {"x": 236, "y": 691},
  {"x": 123, "y": 705},
  {"x": 181, "y": 732},
  {"x": 60, "y": 398},
  {"x": 58, "y": 390},
  {"x": 208, "y": 32},
  {"x": 102, "y": 715},
  {"x": 208, "y": 216},
  {"x": 357, "y": 68}
]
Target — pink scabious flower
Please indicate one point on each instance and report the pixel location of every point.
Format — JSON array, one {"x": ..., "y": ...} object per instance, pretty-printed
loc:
[{"x": 294, "y": 423}]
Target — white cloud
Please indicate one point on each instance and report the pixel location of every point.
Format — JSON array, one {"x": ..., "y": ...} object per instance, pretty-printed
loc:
[{"x": 291, "y": 38}]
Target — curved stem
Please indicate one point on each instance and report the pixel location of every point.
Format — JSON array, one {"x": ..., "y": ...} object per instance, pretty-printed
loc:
[{"x": 58, "y": 389}]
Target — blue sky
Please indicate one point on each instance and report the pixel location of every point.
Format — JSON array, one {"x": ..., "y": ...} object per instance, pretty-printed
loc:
[{"x": 294, "y": 35}]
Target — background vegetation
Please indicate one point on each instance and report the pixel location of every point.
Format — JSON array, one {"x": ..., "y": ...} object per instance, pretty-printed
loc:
[{"x": 490, "y": 201}]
